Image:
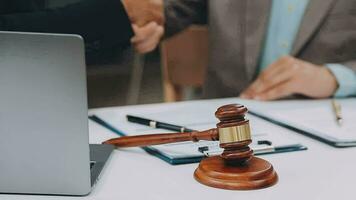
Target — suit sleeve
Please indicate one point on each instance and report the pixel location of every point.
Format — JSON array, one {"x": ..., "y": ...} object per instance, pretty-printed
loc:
[
  {"x": 180, "y": 14},
  {"x": 102, "y": 23}
]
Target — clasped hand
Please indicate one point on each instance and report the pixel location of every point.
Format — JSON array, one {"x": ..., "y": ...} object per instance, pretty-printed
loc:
[{"x": 147, "y": 18}]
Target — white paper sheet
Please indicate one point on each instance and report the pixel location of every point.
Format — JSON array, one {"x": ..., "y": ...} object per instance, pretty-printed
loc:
[{"x": 316, "y": 117}]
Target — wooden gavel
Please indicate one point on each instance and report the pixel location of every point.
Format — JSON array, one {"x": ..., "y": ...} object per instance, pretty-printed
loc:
[
  {"x": 233, "y": 132},
  {"x": 236, "y": 168}
]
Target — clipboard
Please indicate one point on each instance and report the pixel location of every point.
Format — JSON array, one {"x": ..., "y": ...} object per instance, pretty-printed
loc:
[
  {"x": 312, "y": 118},
  {"x": 189, "y": 152}
]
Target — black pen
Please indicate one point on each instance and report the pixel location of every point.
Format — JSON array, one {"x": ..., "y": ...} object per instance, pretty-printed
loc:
[{"x": 157, "y": 124}]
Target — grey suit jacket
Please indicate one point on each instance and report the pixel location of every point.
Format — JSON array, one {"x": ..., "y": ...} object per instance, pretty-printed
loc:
[{"x": 237, "y": 28}]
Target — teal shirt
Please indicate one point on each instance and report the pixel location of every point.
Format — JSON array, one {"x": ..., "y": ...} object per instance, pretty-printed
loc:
[{"x": 285, "y": 19}]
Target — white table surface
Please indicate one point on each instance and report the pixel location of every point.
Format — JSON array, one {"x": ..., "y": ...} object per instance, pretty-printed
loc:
[{"x": 321, "y": 172}]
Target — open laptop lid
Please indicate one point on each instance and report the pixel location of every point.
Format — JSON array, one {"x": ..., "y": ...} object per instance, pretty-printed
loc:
[{"x": 43, "y": 114}]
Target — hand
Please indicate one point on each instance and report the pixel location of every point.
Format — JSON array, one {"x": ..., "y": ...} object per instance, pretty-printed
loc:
[
  {"x": 288, "y": 76},
  {"x": 147, "y": 37},
  {"x": 142, "y": 12}
]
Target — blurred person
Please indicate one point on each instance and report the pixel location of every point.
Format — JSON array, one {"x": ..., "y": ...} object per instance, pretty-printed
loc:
[
  {"x": 272, "y": 49},
  {"x": 103, "y": 24}
]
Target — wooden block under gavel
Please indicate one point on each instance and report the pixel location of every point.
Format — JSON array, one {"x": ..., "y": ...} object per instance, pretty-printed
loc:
[{"x": 236, "y": 168}]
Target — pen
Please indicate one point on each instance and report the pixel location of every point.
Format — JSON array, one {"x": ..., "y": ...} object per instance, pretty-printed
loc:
[
  {"x": 157, "y": 124},
  {"x": 337, "y": 111}
]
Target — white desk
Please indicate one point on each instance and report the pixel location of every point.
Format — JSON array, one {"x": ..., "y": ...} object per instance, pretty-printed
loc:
[{"x": 321, "y": 172}]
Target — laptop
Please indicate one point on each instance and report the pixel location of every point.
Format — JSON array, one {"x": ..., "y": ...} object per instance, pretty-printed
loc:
[{"x": 44, "y": 140}]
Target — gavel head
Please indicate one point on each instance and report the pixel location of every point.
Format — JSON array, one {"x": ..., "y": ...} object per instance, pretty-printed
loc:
[{"x": 234, "y": 134}]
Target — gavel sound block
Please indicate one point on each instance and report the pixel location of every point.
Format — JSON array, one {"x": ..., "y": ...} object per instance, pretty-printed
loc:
[{"x": 236, "y": 168}]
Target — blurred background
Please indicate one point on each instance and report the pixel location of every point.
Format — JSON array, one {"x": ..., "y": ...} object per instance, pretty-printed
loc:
[{"x": 122, "y": 77}]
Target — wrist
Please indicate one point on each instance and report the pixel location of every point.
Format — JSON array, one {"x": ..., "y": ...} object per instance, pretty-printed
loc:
[{"x": 329, "y": 80}]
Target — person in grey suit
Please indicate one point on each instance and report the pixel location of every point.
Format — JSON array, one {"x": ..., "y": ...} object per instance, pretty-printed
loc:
[{"x": 270, "y": 49}]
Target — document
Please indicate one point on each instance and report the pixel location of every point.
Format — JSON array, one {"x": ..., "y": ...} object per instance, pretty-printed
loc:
[
  {"x": 314, "y": 117},
  {"x": 197, "y": 115}
]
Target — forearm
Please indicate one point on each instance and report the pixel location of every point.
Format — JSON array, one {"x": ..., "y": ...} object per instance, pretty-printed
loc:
[{"x": 180, "y": 14}]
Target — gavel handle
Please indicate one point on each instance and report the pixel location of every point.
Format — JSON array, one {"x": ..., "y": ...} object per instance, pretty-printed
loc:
[{"x": 165, "y": 138}]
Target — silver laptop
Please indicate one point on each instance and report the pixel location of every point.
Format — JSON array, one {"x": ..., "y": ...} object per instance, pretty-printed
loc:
[{"x": 44, "y": 142}]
